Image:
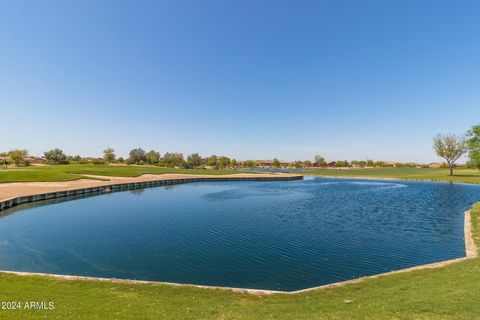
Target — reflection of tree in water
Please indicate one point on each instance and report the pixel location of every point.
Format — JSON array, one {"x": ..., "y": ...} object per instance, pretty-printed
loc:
[
  {"x": 137, "y": 192},
  {"x": 169, "y": 187}
]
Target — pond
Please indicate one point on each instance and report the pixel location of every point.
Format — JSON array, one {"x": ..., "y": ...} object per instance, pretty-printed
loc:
[{"x": 279, "y": 235}]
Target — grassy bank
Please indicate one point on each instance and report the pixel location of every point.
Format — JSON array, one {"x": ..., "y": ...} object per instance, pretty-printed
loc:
[
  {"x": 449, "y": 292},
  {"x": 460, "y": 175},
  {"x": 75, "y": 171}
]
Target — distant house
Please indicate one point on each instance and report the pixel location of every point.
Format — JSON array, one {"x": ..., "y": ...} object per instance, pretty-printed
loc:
[
  {"x": 331, "y": 164},
  {"x": 264, "y": 163},
  {"x": 434, "y": 165}
]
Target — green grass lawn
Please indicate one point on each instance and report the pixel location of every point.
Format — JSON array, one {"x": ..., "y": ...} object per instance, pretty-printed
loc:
[
  {"x": 75, "y": 171},
  {"x": 460, "y": 175},
  {"x": 450, "y": 292}
]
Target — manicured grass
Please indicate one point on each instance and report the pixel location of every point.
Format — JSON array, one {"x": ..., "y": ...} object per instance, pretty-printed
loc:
[
  {"x": 460, "y": 175},
  {"x": 75, "y": 171},
  {"x": 449, "y": 292}
]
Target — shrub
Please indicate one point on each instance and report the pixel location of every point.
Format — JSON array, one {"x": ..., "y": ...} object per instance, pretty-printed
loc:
[{"x": 99, "y": 161}]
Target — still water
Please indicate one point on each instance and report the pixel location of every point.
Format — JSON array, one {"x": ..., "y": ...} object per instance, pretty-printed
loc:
[{"x": 283, "y": 235}]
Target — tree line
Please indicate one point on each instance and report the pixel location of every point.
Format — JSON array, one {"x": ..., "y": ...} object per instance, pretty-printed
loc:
[
  {"x": 448, "y": 146},
  {"x": 137, "y": 156}
]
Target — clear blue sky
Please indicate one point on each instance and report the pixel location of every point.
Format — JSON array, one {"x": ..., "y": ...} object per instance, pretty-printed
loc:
[{"x": 248, "y": 79}]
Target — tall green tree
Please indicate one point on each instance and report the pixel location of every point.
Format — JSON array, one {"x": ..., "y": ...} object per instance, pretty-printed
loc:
[
  {"x": 55, "y": 156},
  {"x": 137, "y": 156},
  {"x": 473, "y": 145},
  {"x": 223, "y": 162},
  {"x": 152, "y": 157},
  {"x": 17, "y": 156},
  {"x": 234, "y": 163},
  {"x": 168, "y": 159},
  {"x": 249, "y": 164},
  {"x": 109, "y": 155},
  {"x": 173, "y": 159},
  {"x": 450, "y": 147},
  {"x": 212, "y": 161},
  {"x": 194, "y": 160}
]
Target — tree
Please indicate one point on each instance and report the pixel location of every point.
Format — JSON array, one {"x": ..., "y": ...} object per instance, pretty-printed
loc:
[
  {"x": 179, "y": 160},
  {"x": 297, "y": 164},
  {"x": 55, "y": 156},
  {"x": 319, "y": 161},
  {"x": 173, "y": 159},
  {"x": 153, "y": 157},
  {"x": 17, "y": 156},
  {"x": 380, "y": 164},
  {"x": 307, "y": 164},
  {"x": 275, "y": 163},
  {"x": 223, "y": 162},
  {"x": 450, "y": 147},
  {"x": 234, "y": 163},
  {"x": 168, "y": 159},
  {"x": 370, "y": 163},
  {"x": 194, "y": 160},
  {"x": 342, "y": 164},
  {"x": 212, "y": 161},
  {"x": 109, "y": 155},
  {"x": 137, "y": 156},
  {"x": 473, "y": 144},
  {"x": 249, "y": 164}
]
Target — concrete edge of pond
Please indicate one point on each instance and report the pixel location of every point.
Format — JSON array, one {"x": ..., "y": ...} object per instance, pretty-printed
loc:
[
  {"x": 70, "y": 188},
  {"x": 471, "y": 251}
]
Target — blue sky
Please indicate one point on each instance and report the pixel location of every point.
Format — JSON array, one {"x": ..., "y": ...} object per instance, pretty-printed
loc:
[{"x": 248, "y": 79}]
